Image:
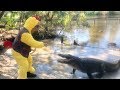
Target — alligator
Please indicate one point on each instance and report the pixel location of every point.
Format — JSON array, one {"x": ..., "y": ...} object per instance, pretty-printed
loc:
[
  {"x": 112, "y": 45},
  {"x": 89, "y": 65}
]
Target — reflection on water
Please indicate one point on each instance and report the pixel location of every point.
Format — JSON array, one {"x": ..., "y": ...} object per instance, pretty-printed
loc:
[
  {"x": 96, "y": 34},
  {"x": 97, "y": 37}
]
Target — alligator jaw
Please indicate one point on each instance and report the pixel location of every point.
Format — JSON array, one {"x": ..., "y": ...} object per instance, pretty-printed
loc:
[
  {"x": 61, "y": 55},
  {"x": 63, "y": 61}
]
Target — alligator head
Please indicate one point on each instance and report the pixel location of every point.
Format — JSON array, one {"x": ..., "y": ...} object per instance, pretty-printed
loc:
[
  {"x": 70, "y": 60},
  {"x": 65, "y": 58}
]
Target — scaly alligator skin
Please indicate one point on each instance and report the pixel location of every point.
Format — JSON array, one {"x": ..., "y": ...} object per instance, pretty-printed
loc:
[{"x": 89, "y": 65}]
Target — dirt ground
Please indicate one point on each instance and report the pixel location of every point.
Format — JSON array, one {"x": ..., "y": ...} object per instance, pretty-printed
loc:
[{"x": 45, "y": 63}]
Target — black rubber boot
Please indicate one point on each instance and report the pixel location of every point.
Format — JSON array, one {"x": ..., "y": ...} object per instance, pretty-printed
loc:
[{"x": 31, "y": 74}]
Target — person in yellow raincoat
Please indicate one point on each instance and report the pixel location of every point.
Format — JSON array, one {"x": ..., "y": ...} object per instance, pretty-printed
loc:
[{"x": 22, "y": 48}]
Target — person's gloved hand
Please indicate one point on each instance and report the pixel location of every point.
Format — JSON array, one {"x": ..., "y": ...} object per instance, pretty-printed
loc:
[{"x": 46, "y": 44}]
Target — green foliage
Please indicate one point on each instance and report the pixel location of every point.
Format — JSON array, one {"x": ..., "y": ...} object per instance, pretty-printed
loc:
[
  {"x": 51, "y": 20},
  {"x": 10, "y": 18},
  {"x": 112, "y": 13},
  {"x": 92, "y": 13}
]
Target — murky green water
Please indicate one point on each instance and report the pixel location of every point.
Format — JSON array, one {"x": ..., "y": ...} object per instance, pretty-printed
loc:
[{"x": 95, "y": 40}]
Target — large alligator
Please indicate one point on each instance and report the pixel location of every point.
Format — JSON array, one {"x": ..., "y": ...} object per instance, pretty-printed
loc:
[{"x": 89, "y": 65}]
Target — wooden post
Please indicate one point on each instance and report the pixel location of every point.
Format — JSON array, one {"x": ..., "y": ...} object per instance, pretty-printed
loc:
[
  {"x": 106, "y": 22},
  {"x": 62, "y": 39},
  {"x": 94, "y": 21}
]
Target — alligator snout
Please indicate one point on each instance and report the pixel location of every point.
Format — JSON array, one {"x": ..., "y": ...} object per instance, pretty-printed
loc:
[{"x": 63, "y": 60}]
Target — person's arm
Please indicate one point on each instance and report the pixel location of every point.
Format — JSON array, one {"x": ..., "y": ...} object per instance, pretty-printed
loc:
[{"x": 29, "y": 40}]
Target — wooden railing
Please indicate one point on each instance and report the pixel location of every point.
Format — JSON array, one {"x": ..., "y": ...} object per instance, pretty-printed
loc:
[{"x": 104, "y": 18}]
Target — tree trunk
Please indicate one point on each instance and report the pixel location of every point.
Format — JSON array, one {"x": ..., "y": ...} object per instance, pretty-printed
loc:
[{"x": 1, "y": 14}]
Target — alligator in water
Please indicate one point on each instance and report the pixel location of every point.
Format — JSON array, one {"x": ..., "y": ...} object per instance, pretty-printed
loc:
[
  {"x": 80, "y": 44},
  {"x": 112, "y": 45},
  {"x": 89, "y": 65}
]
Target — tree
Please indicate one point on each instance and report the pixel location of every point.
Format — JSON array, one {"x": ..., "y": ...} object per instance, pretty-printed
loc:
[
  {"x": 1, "y": 14},
  {"x": 50, "y": 20}
]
